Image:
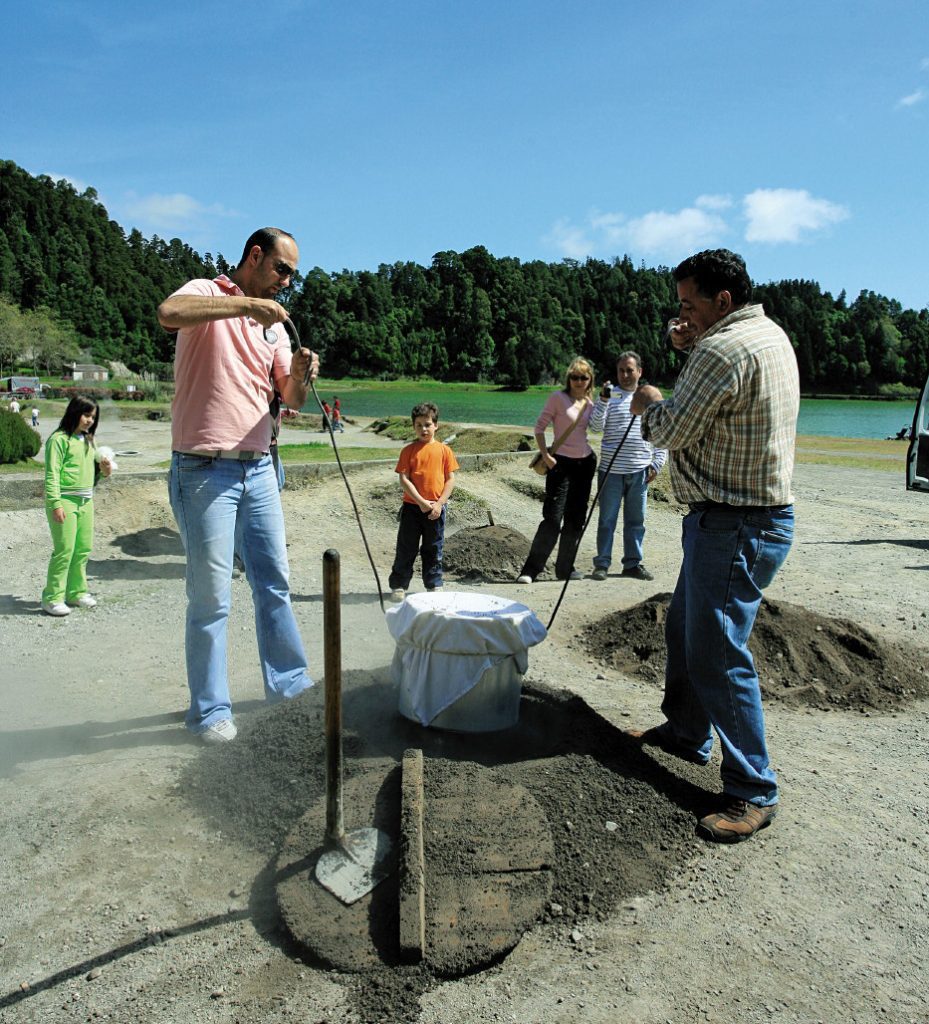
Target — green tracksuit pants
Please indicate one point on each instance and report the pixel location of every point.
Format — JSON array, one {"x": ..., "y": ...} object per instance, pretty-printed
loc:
[{"x": 71, "y": 544}]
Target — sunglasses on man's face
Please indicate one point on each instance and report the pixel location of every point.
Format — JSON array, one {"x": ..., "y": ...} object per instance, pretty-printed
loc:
[
  {"x": 578, "y": 376},
  {"x": 284, "y": 269}
]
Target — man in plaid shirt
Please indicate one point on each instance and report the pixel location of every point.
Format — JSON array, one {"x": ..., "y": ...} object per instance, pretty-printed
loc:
[{"x": 730, "y": 428}]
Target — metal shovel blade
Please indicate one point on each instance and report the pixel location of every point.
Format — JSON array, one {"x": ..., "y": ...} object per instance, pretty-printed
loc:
[{"x": 355, "y": 866}]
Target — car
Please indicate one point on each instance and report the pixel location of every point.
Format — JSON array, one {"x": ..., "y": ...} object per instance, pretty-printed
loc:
[{"x": 917, "y": 455}]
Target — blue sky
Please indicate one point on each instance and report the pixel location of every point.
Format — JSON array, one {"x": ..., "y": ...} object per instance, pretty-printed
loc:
[{"x": 796, "y": 133}]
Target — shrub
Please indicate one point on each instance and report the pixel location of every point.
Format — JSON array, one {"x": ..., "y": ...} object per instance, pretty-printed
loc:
[{"x": 18, "y": 441}]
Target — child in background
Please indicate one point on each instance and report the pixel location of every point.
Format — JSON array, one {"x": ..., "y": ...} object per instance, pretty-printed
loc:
[
  {"x": 427, "y": 476},
  {"x": 337, "y": 419},
  {"x": 70, "y": 474}
]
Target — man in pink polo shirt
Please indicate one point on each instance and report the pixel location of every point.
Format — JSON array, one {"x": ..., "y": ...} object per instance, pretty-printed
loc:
[{"x": 231, "y": 354}]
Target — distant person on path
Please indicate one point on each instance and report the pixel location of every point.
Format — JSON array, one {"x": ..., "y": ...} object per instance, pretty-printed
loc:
[
  {"x": 427, "y": 475},
  {"x": 35, "y": 416},
  {"x": 730, "y": 427},
  {"x": 71, "y": 471},
  {"x": 337, "y": 420},
  {"x": 230, "y": 357},
  {"x": 14, "y": 405},
  {"x": 635, "y": 466},
  {"x": 571, "y": 471},
  {"x": 327, "y": 418}
]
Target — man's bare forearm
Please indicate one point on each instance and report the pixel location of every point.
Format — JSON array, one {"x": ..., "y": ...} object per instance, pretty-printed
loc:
[
  {"x": 294, "y": 392},
  {"x": 178, "y": 311}
]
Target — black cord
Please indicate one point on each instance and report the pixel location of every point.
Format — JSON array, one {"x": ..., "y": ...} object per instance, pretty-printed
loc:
[
  {"x": 600, "y": 482},
  {"x": 295, "y": 344}
]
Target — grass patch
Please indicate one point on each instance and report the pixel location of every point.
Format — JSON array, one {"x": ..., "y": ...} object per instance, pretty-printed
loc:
[
  {"x": 851, "y": 461},
  {"x": 481, "y": 442},
  {"x": 400, "y": 428},
  {"x": 113, "y": 412},
  {"x": 852, "y": 445},
  {"x": 28, "y": 466},
  {"x": 321, "y": 451},
  {"x": 464, "y": 440},
  {"x": 852, "y": 453}
]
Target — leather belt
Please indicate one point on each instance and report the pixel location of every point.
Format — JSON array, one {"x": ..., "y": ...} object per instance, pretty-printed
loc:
[{"x": 215, "y": 453}]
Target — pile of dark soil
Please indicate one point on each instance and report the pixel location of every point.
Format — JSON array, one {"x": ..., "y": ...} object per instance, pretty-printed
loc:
[
  {"x": 621, "y": 823},
  {"x": 803, "y": 659},
  {"x": 491, "y": 553}
]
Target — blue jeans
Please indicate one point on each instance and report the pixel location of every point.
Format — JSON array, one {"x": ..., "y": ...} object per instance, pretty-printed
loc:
[
  {"x": 222, "y": 506},
  {"x": 730, "y": 555},
  {"x": 567, "y": 491},
  {"x": 630, "y": 491},
  {"x": 418, "y": 533}
]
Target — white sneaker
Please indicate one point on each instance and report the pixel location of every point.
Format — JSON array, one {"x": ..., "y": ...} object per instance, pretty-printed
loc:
[
  {"x": 397, "y": 595},
  {"x": 84, "y": 601},
  {"x": 58, "y": 609},
  {"x": 222, "y": 731},
  {"x": 523, "y": 579}
]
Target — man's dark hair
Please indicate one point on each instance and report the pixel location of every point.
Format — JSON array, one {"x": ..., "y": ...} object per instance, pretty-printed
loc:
[
  {"x": 629, "y": 354},
  {"x": 266, "y": 238},
  {"x": 429, "y": 409},
  {"x": 717, "y": 270}
]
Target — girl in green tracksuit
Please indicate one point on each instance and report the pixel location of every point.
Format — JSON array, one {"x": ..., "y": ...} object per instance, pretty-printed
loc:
[{"x": 70, "y": 473}]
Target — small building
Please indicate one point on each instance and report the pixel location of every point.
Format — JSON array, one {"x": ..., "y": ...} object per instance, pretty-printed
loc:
[
  {"x": 87, "y": 371},
  {"x": 21, "y": 385}
]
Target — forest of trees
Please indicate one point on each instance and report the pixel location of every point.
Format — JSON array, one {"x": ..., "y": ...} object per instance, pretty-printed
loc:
[{"x": 467, "y": 316}]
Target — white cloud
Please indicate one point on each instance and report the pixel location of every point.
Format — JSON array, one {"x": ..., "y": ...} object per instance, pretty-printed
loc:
[
  {"x": 168, "y": 214},
  {"x": 657, "y": 233},
  {"x": 912, "y": 99},
  {"x": 569, "y": 240},
  {"x": 661, "y": 232},
  {"x": 713, "y": 202},
  {"x": 785, "y": 214},
  {"x": 771, "y": 215},
  {"x": 177, "y": 209}
]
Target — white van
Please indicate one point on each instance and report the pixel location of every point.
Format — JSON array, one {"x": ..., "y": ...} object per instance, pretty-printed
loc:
[{"x": 917, "y": 456}]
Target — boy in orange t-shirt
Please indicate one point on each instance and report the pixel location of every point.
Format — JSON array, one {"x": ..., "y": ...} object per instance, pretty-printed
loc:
[{"x": 427, "y": 476}]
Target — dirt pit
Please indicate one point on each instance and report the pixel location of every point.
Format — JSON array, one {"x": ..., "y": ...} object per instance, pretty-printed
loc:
[
  {"x": 802, "y": 658},
  {"x": 621, "y": 825}
]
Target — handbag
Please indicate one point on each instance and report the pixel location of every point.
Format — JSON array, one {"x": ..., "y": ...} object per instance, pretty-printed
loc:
[{"x": 537, "y": 463}]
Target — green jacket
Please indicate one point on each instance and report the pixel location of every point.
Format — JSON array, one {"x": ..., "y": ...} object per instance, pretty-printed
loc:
[{"x": 70, "y": 468}]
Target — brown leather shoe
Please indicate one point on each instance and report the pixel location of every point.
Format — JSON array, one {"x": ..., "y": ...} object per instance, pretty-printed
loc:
[
  {"x": 656, "y": 737},
  {"x": 737, "y": 821}
]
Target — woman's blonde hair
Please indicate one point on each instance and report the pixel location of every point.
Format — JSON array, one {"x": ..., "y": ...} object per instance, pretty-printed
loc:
[{"x": 579, "y": 365}]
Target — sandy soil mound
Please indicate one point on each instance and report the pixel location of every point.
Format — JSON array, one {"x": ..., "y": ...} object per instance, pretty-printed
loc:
[{"x": 802, "y": 658}]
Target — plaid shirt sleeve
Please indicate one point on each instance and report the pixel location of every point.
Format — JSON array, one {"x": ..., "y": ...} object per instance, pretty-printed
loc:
[
  {"x": 731, "y": 423},
  {"x": 703, "y": 387}
]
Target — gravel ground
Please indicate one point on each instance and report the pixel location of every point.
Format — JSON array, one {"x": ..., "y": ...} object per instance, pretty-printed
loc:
[{"x": 136, "y": 889}]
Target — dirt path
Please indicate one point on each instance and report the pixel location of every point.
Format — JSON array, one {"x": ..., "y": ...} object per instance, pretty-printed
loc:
[{"x": 137, "y": 877}]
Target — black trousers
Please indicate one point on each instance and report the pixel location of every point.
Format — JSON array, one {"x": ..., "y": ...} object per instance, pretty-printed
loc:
[
  {"x": 567, "y": 491},
  {"x": 417, "y": 532}
]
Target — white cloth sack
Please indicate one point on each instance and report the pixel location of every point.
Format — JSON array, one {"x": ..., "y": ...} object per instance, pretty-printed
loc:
[{"x": 446, "y": 641}]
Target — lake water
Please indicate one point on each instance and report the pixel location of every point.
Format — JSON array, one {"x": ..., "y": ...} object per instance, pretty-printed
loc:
[{"x": 476, "y": 404}]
